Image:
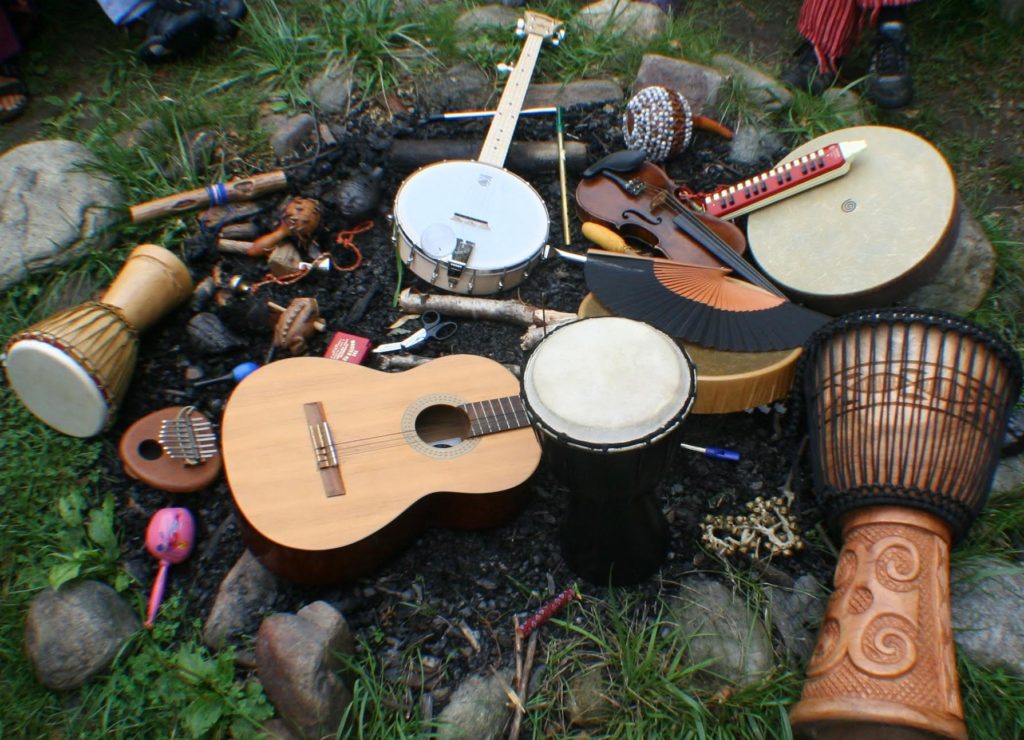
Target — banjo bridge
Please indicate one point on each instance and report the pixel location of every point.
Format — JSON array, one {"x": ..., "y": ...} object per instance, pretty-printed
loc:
[{"x": 470, "y": 221}]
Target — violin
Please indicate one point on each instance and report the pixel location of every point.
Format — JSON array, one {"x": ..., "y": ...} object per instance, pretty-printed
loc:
[{"x": 636, "y": 198}]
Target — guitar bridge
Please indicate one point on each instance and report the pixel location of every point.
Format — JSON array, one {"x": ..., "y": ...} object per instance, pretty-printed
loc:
[{"x": 324, "y": 451}]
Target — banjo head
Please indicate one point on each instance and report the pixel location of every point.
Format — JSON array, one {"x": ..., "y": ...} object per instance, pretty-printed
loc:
[
  {"x": 494, "y": 210},
  {"x": 867, "y": 238}
]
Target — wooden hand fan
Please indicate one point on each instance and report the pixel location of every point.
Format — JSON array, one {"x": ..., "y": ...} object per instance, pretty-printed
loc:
[{"x": 696, "y": 303}]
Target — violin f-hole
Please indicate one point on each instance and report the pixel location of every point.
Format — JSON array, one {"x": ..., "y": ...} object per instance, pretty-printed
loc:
[{"x": 648, "y": 218}]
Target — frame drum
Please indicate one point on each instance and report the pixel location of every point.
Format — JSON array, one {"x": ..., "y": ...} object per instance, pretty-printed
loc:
[
  {"x": 867, "y": 238},
  {"x": 607, "y": 395}
]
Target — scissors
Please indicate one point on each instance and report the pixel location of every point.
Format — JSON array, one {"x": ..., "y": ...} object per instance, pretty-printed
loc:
[{"x": 433, "y": 328}]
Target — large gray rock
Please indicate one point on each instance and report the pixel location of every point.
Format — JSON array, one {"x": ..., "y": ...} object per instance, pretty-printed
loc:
[
  {"x": 461, "y": 87},
  {"x": 638, "y": 23},
  {"x": 577, "y": 92},
  {"x": 722, "y": 630},
  {"x": 291, "y": 134},
  {"x": 752, "y": 143},
  {"x": 698, "y": 83},
  {"x": 244, "y": 594},
  {"x": 478, "y": 709},
  {"x": 965, "y": 276},
  {"x": 763, "y": 89},
  {"x": 796, "y": 614},
  {"x": 331, "y": 91},
  {"x": 485, "y": 17},
  {"x": 74, "y": 633},
  {"x": 988, "y": 600},
  {"x": 52, "y": 207},
  {"x": 1010, "y": 474},
  {"x": 297, "y": 664}
]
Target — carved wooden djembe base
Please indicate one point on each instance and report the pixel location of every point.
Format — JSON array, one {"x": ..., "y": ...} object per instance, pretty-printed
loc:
[
  {"x": 884, "y": 665},
  {"x": 906, "y": 411}
]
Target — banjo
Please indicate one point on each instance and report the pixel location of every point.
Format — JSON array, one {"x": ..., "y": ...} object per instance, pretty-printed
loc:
[{"x": 470, "y": 226}]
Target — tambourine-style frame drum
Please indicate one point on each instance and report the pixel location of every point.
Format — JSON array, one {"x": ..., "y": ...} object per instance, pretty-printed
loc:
[
  {"x": 906, "y": 412},
  {"x": 72, "y": 369},
  {"x": 608, "y": 396},
  {"x": 867, "y": 238}
]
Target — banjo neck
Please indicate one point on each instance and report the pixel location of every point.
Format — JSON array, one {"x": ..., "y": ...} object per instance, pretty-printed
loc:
[{"x": 536, "y": 27}]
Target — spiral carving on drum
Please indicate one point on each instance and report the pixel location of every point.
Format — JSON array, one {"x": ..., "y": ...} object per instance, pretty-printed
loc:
[{"x": 884, "y": 621}]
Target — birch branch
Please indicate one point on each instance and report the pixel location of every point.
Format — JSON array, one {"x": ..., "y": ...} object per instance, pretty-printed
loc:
[{"x": 490, "y": 309}]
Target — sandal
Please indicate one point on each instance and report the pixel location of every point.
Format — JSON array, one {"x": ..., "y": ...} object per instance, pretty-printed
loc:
[{"x": 12, "y": 86}]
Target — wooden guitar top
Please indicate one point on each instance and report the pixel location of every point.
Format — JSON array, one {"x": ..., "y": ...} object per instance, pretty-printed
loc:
[{"x": 386, "y": 430}]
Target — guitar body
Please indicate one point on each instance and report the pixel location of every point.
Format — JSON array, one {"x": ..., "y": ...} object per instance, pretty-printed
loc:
[
  {"x": 493, "y": 215},
  {"x": 403, "y": 460}
]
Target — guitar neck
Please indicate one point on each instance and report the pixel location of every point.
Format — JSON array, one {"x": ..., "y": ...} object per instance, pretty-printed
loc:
[
  {"x": 499, "y": 135},
  {"x": 780, "y": 182},
  {"x": 495, "y": 415}
]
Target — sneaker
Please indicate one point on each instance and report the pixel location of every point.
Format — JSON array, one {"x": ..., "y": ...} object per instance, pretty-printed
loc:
[
  {"x": 803, "y": 73},
  {"x": 888, "y": 83}
]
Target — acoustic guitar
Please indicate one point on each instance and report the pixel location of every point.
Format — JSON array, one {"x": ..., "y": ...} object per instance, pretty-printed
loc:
[{"x": 333, "y": 466}]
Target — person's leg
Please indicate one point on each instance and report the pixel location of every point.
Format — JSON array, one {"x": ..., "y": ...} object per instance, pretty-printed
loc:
[
  {"x": 180, "y": 27},
  {"x": 13, "y": 91},
  {"x": 889, "y": 84}
]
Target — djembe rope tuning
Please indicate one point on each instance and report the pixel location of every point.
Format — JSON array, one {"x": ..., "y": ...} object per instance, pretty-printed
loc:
[{"x": 906, "y": 411}]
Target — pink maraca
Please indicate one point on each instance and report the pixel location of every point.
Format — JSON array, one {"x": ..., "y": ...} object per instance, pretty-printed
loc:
[{"x": 169, "y": 539}]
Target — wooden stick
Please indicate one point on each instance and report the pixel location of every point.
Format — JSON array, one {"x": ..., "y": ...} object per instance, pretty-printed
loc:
[
  {"x": 524, "y": 157},
  {"x": 408, "y": 362},
  {"x": 490, "y": 309},
  {"x": 246, "y": 188},
  {"x": 523, "y": 685},
  {"x": 532, "y": 336}
]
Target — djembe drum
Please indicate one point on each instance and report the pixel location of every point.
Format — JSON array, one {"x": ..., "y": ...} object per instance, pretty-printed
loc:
[
  {"x": 608, "y": 395},
  {"x": 72, "y": 369},
  {"x": 906, "y": 412}
]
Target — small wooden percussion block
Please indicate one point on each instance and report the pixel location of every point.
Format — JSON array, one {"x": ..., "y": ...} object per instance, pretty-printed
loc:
[
  {"x": 865, "y": 239},
  {"x": 173, "y": 450}
]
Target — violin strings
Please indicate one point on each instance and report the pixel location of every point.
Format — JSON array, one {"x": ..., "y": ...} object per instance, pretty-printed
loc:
[{"x": 726, "y": 254}]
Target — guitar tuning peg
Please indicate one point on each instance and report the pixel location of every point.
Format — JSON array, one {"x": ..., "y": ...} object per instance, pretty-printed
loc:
[
  {"x": 504, "y": 69},
  {"x": 520, "y": 28},
  {"x": 558, "y": 37}
]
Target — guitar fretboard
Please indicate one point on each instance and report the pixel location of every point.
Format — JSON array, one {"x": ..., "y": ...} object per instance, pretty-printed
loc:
[
  {"x": 495, "y": 415},
  {"x": 783, "y": 181}
]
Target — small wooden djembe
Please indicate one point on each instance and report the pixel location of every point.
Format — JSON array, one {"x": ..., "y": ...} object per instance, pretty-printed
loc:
[{"x": 906, "y": 412}]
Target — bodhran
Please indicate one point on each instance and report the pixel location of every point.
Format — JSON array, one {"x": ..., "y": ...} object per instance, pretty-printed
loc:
[
  {"x": 608, "y": 396},
  {"x": 906, "y": 413},
  {"x": 727, "y": 381},
  {"x": 867, "y": 238},
  {"x": 72, "y": 369}
]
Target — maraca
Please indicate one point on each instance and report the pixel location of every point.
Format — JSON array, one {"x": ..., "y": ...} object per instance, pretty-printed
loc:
[
  {"x": 300, "y": 220},
  {"x": 169, "y": 539}
]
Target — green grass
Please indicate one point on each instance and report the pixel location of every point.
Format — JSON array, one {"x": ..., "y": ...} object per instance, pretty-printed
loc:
[
  {"x": 643, "y": 686},
  {"x": 57, "y": 521}
]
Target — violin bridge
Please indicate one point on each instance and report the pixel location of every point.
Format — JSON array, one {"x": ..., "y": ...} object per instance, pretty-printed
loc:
[{"x": 324, "y": 451}]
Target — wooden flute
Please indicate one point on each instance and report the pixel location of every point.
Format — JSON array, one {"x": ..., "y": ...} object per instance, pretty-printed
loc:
[{"x": 245, "y": 188}]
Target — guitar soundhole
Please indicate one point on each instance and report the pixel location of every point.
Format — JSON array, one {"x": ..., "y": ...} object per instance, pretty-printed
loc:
[
  {"x": 442, "y": 426},
  {"x": 149, "y": 449}
]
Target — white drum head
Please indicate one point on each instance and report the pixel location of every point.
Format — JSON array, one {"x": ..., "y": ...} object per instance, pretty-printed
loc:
[
  {"x": 56, "y": 388},
  {"x": 608, "y": 381},
  {"x": 491, "y": 208}
]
